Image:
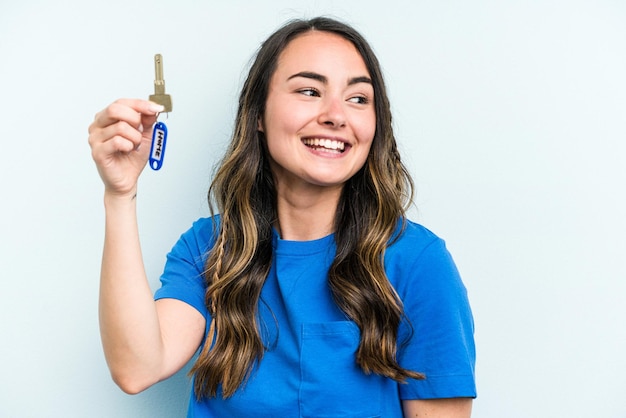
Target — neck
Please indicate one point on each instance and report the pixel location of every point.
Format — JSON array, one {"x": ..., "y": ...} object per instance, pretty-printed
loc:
[{"x": 305, "y": 215}]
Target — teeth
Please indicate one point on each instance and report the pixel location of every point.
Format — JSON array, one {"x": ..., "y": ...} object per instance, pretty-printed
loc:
[{"x": 325, "y": 143}]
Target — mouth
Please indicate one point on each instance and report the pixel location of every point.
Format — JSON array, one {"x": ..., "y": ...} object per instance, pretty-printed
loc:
[{"x": 325, "y": 145}]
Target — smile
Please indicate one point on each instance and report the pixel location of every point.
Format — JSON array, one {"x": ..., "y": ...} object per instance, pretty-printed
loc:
[{"x": 323, "y": 144}]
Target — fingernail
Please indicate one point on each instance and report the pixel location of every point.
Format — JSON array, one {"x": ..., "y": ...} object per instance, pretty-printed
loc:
[{"x": 156, "y": 108}]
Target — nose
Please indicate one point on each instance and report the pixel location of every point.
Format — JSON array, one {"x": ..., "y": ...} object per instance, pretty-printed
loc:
[{"x": 332, "y": 113}]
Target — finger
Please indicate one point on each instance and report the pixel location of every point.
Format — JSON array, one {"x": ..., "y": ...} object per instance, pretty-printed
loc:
[
  {"x": 123, "y": 130},
  {"x": 147, "y": 125},
  {"x": 127, "y": 110},
  {"x": 145, "y": 107},
  {"x": 117, "y": 145}
]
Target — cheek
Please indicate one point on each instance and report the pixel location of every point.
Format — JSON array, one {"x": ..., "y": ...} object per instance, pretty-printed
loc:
[
  {"x": 365, "y": 132},
  {"x": 278, "y": 132},
  {"x": 281, "y": 122},
  {"x": 366, "y": 128}
]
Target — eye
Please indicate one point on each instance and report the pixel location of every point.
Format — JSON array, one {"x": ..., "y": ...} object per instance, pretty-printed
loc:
[
  {"x": 309, "y": 91},
  {"x": 359, "y": 100}
]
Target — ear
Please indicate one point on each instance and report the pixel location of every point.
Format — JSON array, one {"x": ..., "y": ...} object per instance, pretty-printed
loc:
[{"x": 259, "y": 125}]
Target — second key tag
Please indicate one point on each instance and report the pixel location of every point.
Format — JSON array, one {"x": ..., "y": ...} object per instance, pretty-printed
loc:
[{"x": 157, "y": 151}]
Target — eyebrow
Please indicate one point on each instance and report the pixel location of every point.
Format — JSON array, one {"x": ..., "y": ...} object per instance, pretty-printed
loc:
[{"x": 323, "y": 79}]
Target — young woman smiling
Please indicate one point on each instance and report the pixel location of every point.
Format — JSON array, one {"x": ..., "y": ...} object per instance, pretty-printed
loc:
[{"x": 308, "y": 292}]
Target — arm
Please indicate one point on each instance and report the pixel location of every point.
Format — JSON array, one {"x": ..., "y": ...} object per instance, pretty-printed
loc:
[
  {"x": 438, "y": 408},
  {"x": 440, "y": 332},
  {"x": 144, "y": 342}
]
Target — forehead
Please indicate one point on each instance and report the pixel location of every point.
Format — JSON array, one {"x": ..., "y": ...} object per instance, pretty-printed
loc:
[{"x": 321, "y": 49}]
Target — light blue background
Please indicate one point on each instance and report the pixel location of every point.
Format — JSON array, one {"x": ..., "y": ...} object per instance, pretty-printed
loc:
[{"x": 510, "y": 114}]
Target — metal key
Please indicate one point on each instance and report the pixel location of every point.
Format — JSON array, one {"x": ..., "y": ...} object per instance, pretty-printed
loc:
[{"x": 159, "y": 95}]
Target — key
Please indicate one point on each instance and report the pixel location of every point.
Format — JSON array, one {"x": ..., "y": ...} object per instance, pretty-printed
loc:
[
  {"x": 159, "y": 95},
  {"x": 159, "y": 135}
]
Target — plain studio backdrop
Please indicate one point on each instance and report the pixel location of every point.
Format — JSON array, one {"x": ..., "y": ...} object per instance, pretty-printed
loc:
[{"x": 510, "y": 114}]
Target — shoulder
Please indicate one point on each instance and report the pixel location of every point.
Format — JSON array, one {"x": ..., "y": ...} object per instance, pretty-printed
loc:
[
  {"x": 193, "y": 245},
  {"x": 438, "y": 323},
  {"x": 419, "y": 259},
  {"x": 183, "y": 275},
  {"x": 410, "y": 229},
  {"x": 206, "y": 227},
  {"x": 201, "y": 235},
  {"x": 411, "y": 240}
]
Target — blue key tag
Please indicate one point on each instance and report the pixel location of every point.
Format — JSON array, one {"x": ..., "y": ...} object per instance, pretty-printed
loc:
[{"x": 157, "y": 151}]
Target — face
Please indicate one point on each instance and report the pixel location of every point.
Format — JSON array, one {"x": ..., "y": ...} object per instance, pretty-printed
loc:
[{"x": 319, "y": 119}]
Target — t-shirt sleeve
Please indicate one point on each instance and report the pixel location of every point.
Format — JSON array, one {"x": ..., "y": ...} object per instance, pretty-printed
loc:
[
  {"x": 437, "y": 336},
  {"x": 182, "y": 277}
]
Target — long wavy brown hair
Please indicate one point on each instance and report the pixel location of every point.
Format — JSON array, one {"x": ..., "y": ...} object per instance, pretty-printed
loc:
[{"x": 371, "y": 205}]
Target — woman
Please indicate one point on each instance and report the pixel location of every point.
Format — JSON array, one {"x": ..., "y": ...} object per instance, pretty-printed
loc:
[{"x": 310, "y": 294}]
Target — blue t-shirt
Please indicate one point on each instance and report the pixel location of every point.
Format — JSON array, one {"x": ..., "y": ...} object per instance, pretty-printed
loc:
[{"x": 309, "y": 368}]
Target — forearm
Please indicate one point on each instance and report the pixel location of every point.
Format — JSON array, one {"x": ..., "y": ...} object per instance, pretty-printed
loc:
[
  {"x": 129, "y": 323},
  {"x": 438, "y": 408}
]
